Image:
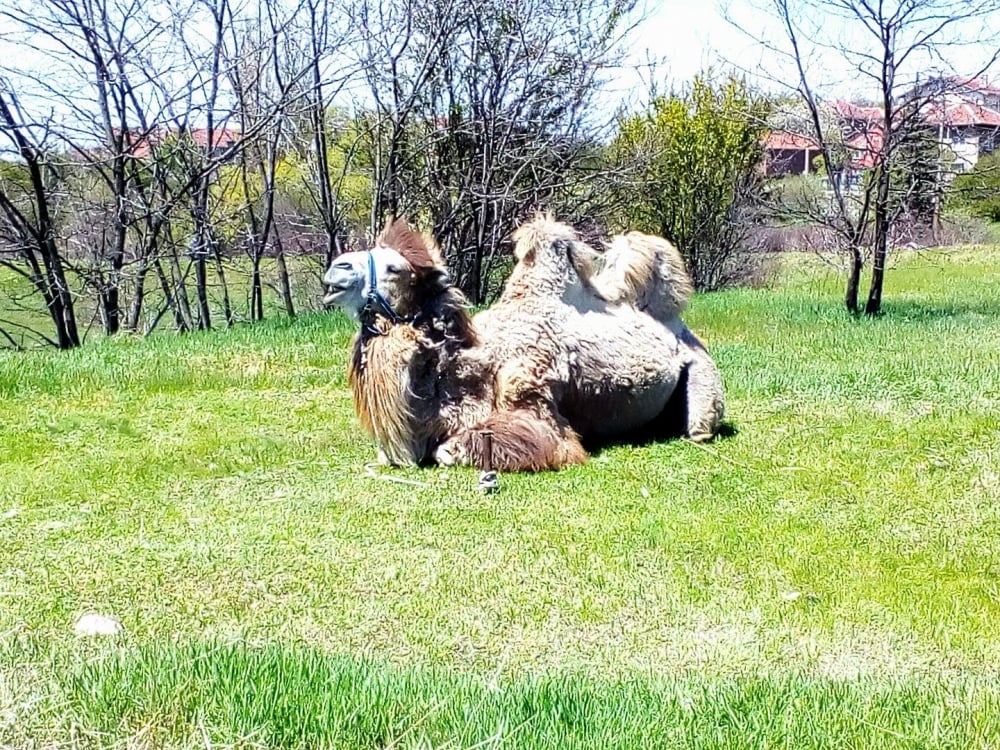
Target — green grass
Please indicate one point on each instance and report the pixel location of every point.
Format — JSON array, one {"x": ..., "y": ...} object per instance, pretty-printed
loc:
[
  {"x": 219, "y": 695},
  {"x": 824, "y": 577}
]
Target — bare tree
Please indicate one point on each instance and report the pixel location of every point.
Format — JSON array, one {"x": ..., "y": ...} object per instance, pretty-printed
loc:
[
  {"x": 484, "y": 114},
  {"x": 138, "y": 106},
  {"x": 263, "y": 87},
  {"x": 332, "y": 113},
  {"x": 28, "y": 221},
  {"x": 885, "y": 46}
]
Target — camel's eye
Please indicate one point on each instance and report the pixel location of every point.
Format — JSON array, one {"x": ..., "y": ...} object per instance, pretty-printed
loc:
[
  {"x": 393, "y": 269},
  {"x": 343, "y": 265}
]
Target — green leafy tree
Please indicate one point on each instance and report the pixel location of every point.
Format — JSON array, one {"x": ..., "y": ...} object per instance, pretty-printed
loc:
[
  {"x": 978, "y": 191},
  {"x": 691, "y": 172}
]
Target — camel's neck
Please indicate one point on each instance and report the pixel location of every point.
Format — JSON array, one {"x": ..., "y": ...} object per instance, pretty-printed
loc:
[
  {"x": 444, "y": 318},
  {"x": 383, "y": 392},
  {"x": 402, "y": 377}
]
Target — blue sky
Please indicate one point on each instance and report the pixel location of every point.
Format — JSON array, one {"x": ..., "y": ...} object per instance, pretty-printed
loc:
[{"x": 689, "y": 37}]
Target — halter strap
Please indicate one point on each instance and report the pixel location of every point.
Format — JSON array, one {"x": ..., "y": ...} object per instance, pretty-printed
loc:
[{"x": 376, "y": 304}]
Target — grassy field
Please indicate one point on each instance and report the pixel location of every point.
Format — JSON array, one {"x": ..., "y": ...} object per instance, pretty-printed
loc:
[{"x": 826, "y": 576}]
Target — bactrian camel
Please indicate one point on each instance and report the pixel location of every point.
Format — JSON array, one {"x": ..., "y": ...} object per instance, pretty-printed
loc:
[{"x": 582, "y": 347}]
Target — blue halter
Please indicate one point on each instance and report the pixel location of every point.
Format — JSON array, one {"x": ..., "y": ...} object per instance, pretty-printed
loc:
[{"x": 376, "y": 304}]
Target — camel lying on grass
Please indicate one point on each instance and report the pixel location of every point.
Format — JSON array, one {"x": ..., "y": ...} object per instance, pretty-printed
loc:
[{"x": 581, "y": 346}]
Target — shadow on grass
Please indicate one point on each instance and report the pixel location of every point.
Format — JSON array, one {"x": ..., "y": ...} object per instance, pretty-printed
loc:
[
  {"x": 655, "y": 434},
  {"x": 904, "y": 310}
]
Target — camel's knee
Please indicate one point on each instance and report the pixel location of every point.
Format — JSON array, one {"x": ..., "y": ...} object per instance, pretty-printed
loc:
[{"x": 518, "y": 440}]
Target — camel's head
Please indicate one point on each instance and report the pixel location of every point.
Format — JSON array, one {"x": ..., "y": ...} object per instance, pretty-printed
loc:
[
  {"x": 348, "y": 280},
  {"x": 396, "y": 275}
]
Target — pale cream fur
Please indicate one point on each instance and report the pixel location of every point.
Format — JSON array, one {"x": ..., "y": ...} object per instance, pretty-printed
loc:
[{"x": 647, "y": 272}]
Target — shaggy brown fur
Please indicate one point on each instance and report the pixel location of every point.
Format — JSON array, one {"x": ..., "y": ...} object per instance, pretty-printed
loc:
[
  {"x": 420, "y": 250},
  {"x": 381, "y": 390},
  {"x": 395, "y": 375},
  {"x": 523, "y": 440}
]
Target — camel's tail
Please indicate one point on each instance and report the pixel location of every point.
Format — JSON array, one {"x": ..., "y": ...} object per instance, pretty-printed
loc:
[{"x": 647, "y": 272}]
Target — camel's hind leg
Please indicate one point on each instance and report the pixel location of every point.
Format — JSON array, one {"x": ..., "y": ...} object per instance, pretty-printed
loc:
[{"x": 705, "y": 404}]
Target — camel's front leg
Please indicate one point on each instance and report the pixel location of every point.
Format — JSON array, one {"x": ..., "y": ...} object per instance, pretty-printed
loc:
[{"x": 520, "y": 441}]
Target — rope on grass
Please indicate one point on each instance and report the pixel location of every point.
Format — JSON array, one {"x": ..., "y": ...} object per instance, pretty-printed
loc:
[{"x": 370, "y": 471}]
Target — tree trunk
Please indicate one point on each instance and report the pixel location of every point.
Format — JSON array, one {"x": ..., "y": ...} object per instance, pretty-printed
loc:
[
  {"x": 256, "y": 289},
  {"x": 183, "y": 306},
  {"x": 172, "y": 300},
  {"x": 283, "y": 280},
  {"x": 61, "y": 306},
  {"x": 882, "y": 225},
  {"x": 135, "y": 308},
  {"x": 220, "y": 274},
  {"x": 110, "y": 309},
  {"x": 201, "y": 283},
  {"x": 854, "y": 281},
  {"x": 873, "y": 307},
  {"x": 52, "y": 283}
]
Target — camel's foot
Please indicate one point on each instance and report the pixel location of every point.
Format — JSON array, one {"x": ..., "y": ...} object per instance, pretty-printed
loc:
[
  {"x": 701, "y": 437},
  {"x": 705, "y": 400},
  {"x": 452, "y": 452}
]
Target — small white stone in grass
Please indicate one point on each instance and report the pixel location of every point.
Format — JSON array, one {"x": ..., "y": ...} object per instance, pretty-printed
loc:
[
  {"x": 644, "y": 492},
  {"x": 12, "y": 512},
  {"x": 791, "y": 596},
  {"x": 94, "y": 624}
]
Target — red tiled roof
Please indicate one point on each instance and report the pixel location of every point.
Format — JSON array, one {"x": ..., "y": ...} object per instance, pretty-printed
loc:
[
  {"x": 963, "y": 113},
  {"x": 864, "y": 146},
  {"x": 222, "y": 137},
  {"x": 850, "y": 111},
  {"x": 779, "y": 140},
  {"x": 975, "y": 84}
]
